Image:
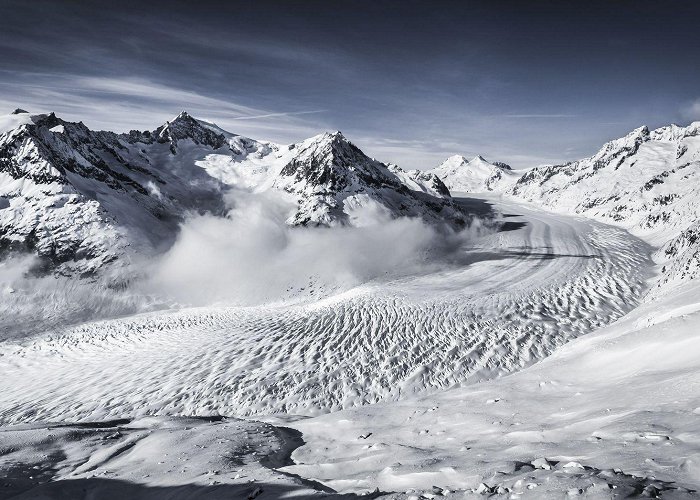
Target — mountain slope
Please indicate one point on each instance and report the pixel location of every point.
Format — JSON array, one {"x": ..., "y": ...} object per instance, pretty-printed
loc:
[
  {"x": 421, "y": 180},
  {"x": 647, "y": 182},
  {"x": 82, "y": 199},
  {"x": 474, "y": 176},
  {"x": 330, "y": 180}
]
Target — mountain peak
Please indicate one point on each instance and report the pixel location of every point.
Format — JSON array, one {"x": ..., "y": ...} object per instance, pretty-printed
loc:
[
  {"x": 474, "y": 176},
  {"x": 629, "y": 142},
  {"x": 642, "y": 131},
  {"x": 675, "y": 132},
  {"x": 333, "y": 137},
  {"x": 461, "y": 161},
  {"x": 333, "y": 141},
  {"x": 331, "y": 161},
  {"x": 183, "y": 116},
  {"x": 19, "y": 111},
  {"x": 184, "y": 126},
  {"x": 455, "y": 160}
]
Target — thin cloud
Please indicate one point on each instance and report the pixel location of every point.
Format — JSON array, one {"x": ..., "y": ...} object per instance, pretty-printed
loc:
[
  {"x": 540, "y": 116},
  {"x": 274, "y": 115},
  {"x": 125, "y": 103},
  {"x": 146, "y": 89}
]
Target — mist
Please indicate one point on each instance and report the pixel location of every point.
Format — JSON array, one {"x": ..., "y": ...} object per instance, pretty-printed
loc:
[
  {"x": 249, "y": 257},
  {"x": 31, "y": 303},
  {"x": 252, "y": 256}
]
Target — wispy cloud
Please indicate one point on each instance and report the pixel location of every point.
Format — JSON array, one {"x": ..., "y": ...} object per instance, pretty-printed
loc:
[
  {"x": 539, "y": 116},
  {"x": 274, "y": 115},
  {"x": 126, "y": 103},
  {"x": 409, "y": 153}
]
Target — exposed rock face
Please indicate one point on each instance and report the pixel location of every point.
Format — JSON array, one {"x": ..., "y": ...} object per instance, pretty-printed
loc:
[
  {"x": 422, "y": 180},
  {"x": 333, "y": 177}
]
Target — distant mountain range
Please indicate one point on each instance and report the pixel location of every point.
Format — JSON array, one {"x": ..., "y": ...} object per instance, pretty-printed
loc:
[
  {"x": 81, "y": 199},
  {"x": 647, "y": 181}
]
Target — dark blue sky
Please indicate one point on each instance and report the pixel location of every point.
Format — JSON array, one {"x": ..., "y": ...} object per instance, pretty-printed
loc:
[{"x": 409, "y": 82}]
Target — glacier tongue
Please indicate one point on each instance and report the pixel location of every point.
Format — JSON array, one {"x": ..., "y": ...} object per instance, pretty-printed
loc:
[{"x": 509, "y": 299}]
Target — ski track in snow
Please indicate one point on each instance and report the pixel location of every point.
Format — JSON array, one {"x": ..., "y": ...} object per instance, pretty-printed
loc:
[{"x": 519, "y": 295}]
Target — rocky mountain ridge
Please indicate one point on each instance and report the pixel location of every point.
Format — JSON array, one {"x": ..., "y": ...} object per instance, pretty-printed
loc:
[
  {"x": 647, "y": 181},
  {"x": 81, "y": 199}
]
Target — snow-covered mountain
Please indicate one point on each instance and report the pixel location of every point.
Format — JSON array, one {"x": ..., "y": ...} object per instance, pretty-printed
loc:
[
  {"x": 647, "y": 182},
  {"x": 421, "y": 180},
  {"x": 81, "y": 199},
  {"x": 577, "y": 424},
  {"x": 474, "y": 176},
  {"x": 332, "y": 179}
]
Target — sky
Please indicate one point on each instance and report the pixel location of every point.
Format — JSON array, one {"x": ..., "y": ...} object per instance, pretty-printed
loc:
[{"x": 409, "y": 82}]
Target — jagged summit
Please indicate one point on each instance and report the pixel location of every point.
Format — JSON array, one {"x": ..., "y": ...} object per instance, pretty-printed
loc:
[
  {"x": 19, "y": 111},
  {"x": 502, "y": 165},
  {"x": 675, "y": 132},
  {"x": 333, "y": 139},
  {"x": 333, "y": 178},
  {"x": 335, "y": 135},
  {"x": 629, "y": 143},
  {"x": 184, "y": 126},
  {"x": 183, "y": 115},
  {"x": 330, "y": 160}
]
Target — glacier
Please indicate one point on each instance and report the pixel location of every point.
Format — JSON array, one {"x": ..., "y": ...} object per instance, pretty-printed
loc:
[{"x": 460, "y": 331}]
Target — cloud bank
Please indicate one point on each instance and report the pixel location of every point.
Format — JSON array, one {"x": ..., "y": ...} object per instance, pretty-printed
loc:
[
  {"x": 249, "y": 257},
  {"x": 252, "y": 256}
]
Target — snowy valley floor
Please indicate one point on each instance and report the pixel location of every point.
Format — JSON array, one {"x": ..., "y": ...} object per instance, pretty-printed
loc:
[
  {"x": 617, "y": 408},
  {"x": 613, "y": 412}
]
